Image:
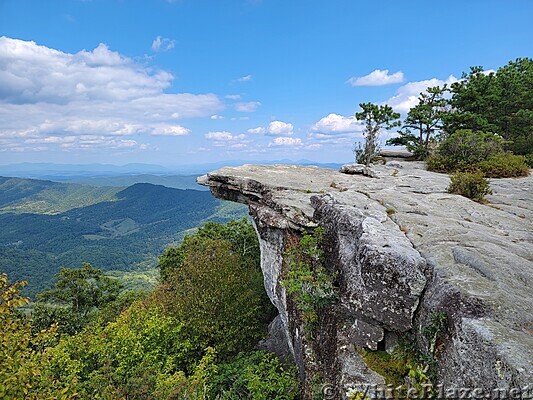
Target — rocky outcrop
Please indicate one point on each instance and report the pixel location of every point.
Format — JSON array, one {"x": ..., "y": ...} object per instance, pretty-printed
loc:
[{"x": 402, "y": 250}]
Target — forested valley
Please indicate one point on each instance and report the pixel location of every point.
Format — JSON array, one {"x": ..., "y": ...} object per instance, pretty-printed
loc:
[{"x": 122, "y": 230}]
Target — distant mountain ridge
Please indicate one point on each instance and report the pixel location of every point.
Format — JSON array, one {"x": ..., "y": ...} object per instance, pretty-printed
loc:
[
  {"x": 66, "y": 172},
  {"x": 171, "y": 181}
]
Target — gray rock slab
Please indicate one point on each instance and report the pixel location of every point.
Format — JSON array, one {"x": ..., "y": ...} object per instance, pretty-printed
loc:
[{"x": 479, "y": 257}]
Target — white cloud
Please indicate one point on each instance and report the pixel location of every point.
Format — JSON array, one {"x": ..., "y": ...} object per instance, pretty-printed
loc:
[
  {"x": 162, "y": 44},
  {"x": 286, "y": 142},
  {"x": 86, "y": 142},
  {"x": 250, "y": 106},
  {"x": 275, "y": 128},
  {"x": 233, "y": 96},
  {"x": 176, "y": 130},
  {"x": 52, "y": 139},
  {"x": 223, "y": 136},
  {"x": 215, "y": 117},
  {"x": 407, "y": 95},
  {"x": 45, "y": 92},
  {"x": 30, "y": 73},
  {"x": 258, "y": 130},
  {"x": 377, "y": 78},
  {"x": 337, "y": 124},
  {"x": 246, "y": 78}
]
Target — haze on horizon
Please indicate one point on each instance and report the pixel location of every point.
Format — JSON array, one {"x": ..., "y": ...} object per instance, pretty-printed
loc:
[{"x": 175, "y": 82}]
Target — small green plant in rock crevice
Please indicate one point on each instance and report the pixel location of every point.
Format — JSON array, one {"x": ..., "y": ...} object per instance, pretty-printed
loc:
[
  {"x": 407, "y": 366},
  {"x": 432, "y": 332},
  {"x": 306, "y": 279}
]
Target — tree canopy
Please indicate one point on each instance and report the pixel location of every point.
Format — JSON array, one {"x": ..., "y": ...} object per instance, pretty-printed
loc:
[
  {"x": 77, "y": 293},
  {"x": 498, "y": 102}
]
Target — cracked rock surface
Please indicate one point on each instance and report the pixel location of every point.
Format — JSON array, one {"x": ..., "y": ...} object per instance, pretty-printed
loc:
[{"x": 403, "y": 249}]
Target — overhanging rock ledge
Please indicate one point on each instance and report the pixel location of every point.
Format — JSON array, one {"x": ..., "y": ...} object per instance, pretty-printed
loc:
[{"x": 403, "y": 250}]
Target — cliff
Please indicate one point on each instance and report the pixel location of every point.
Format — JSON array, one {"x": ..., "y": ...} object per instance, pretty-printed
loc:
[{"x": 402, "y": 250}]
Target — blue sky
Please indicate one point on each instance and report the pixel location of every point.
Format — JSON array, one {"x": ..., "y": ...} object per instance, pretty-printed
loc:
[{"x": 193, "y": 81}]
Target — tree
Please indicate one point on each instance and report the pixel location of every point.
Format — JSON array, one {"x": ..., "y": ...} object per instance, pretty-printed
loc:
[
  {"x": 426, "y": 119},
  {"x": 77, "y": 294},
  {"x": 375, "y": 118},
  {"x": 498, "y": 102},
  {"x": 219, "y": 298},
  {"x": 213, "y": 282},
  {"x": 241, "y": 234}
]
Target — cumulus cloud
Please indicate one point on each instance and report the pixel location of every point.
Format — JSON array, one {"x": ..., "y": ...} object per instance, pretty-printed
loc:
[
  {"x": 275, "y": 128},
  {"x": 280, "y": 128},
  {"x": 46, "y": 93},
  {"x": 233, "y": 96},
  {"x": 215, "y": 117},
  {"x": 227, "y": 140},
  {"x": 377, "y": 78},
  {"x": 407, "y": 95},
  {"x": 162, "y": 44},
  {"x": 286, "y": 142},
  {"x": 337, "y": 124},
  {"x": 250, "y": 106}
]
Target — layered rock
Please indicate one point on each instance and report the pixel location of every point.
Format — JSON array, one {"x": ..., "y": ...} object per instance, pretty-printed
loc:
[{"x": 402, "y": 250}]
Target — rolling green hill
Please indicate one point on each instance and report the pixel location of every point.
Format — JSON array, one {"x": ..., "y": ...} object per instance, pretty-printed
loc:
[
  {"x": 124, "y": 232},
  {"x": 45, "y": 197}
]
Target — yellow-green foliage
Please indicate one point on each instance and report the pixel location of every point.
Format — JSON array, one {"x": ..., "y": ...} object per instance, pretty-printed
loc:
[
  {"x": 180, "y": 342},
  {"x": 392, "y": 367},
  {"x": 24, "y": 355},
  {"x": 402, "y": 367}
]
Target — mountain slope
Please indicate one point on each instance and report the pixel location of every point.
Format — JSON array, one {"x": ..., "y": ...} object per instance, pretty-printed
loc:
[
  {"x": 171, "y": 181},
  {"x": 46, "y": 197}
]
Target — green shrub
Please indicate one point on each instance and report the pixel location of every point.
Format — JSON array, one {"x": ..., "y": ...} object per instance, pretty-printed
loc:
[
  {"x": 255, "y": 375},
  {"x": 467, "y": 147},
  {"x": 437, "y": 163},
  {"x": 472, "y": 185},
  {"x": 469, "y": 151},
  {"x": 504, "y": 165}
]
